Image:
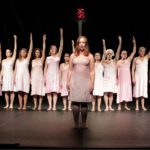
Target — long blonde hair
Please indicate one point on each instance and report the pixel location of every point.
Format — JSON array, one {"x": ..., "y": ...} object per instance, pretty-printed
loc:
[{"x": 77, "y": 50}]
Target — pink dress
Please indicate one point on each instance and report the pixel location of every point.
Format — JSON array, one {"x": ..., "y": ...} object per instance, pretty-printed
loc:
[
  {"x": 52, "y": 74},
  {"x": 141, "y": 79},
  {"x": 110, "y": 80},
  {"x": 22, "y": 78},
  {"x": 80, "y": 80},
  {"x": 98, "y": 82},
  {"x": 64, "y": 89},
  {"x": 8, "y": 76},
  {"x": 124, "y": 92},
  {"x": 37, "y": 78}
]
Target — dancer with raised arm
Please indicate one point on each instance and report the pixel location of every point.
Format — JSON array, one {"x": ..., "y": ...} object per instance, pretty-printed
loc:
[
  {"x": 140, "y": 77},
  {"x": 37, "y": 75},
  {"x": 51, "y": 73},
  {"x": 124, "y": 93},
  {"x": 7, "y": 75},
  {"x": 22, "y": 75},
  {"x": 110, "y": 74}
]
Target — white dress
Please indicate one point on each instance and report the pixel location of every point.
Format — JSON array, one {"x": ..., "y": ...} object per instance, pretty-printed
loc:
[
  {"x": 8, "y": 75},
  {"x": 141, "y": 79},
  {"x": 37, "y": 78},
  {"x": 110, "y": 77},
  {"x": 22, "y": 78},
  {"x": 98, "y": 82}
]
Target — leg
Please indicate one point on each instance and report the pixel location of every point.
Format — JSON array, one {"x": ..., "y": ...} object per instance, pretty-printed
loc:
[
  {"x": 40, "y": 102},
  {"x": 84, "y": 111},
  {"x": 69, "y": 105},
  {"x": 54, "y": 100},
  {"x": 35, "y": 102},
  {"x": 49, "y": 97},
  {"x": 76, "y": 112},
  {"x": 106, "y": 101},
  {"x": 25, "y": 97},
  {"x": 143, "y": 103},
  {"x": 137, "y": 104},
  {"x": 119, "y": 107},
  {"x": 20, "y": 100},
  {"x": 7, "y": 99},
  {"x": 64, "y": 102},
  {"x": 99, "y": 103},
  {"x": 93, "y": 103},
  {"x": 12, "y": 96},
  {"x": 126, "y": 106},
  {"x": 110, "y": 101}
]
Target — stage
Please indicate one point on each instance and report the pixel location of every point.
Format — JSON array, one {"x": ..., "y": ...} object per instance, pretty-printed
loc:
[{"x": 54, "y": 129}]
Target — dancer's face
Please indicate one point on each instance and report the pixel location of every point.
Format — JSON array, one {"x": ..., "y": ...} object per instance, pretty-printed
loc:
[
  {"x": 97, "y": 56},
  {"x": 82, "y": 43},
  {"x": 66, "y": 58},
  {"x": 23, "y": 53},
  {"x": 37, "y": 53},
  {"x": 8, "y": 53},
  {"x": 109, "y": 55},
  {"x": 53, "y": 50},
  {"x": 142, "y": 52},
  {"x": 124, "y": 54}
]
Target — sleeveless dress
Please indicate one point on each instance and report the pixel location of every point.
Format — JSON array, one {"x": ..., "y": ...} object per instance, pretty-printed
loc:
[
  {"x": 37, "y": 78},
  {"x": 64, "y": 89},
  {"x": 124, "y": 92},
  {"x": 22, "y": 76},
  {"x": 110, "y": 80},
  {"x": 141, "y": 79},
  {"x": 98, "y": 82},
  {"x": 80, "y": 80},
  {"x": 52, "y": 74},
  {"x": 8, "y": 75}
]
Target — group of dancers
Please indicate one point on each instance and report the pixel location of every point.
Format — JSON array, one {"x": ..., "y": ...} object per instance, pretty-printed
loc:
[{"x": 82, "y": 78}]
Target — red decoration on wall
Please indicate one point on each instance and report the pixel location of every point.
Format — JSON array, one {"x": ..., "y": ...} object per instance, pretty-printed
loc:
[{"x": 80, "y": 14}]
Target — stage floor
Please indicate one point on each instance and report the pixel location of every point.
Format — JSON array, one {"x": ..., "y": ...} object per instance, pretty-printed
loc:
[{"x": 54, "y": 129}]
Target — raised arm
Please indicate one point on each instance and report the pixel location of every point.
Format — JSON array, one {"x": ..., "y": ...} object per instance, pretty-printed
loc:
[
  {"x": 70, "y": 70},
  {"x": 44, "y": 47},
  {"x": 133, "y": 70},
  {"x": 45, "y": 70},
  {"x": 118, "y": 49},
  {"x": 0, "y": 53},
  {"x": 73, "y": 48},
  {"x": 15, "y": 48},
  {"x": 134, "y": 49},
  {"x": 30, "y": 48},
  {"x": 104, "y": 50},
  {"x": 148, "y": 55},
  {"x": 92, "y": 73},
  {"x": 61, "y": 43}
]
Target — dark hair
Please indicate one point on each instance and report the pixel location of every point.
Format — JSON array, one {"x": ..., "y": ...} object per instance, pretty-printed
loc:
[
  {"x": 37, "y": 49},
  {"x": 24, "y": 49}
]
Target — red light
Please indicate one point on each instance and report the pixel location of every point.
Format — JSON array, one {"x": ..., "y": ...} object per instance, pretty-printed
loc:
[{"x": 80, "y": 13}]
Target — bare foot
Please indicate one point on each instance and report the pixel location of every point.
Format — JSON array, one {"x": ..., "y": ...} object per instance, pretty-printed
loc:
[
  {"x": 106, "y": 109},
  {"x": 49, "y": 108},
  {"x": 111, "y": 109},
  {"x": 39, "y": 108},
  {"x": 54, "y": 109},
  {"x": 34, "y": 108},
  {"x": 119, "y": 109},
  {"x": 69, "y": 109},
  {"x": 6, "y": 107},
  {"x": 92, "y": 109},
  {"x": 19, "y": 108},
  {"x": 144, "y": 109},
  {"x": 136, "y": 109},
  {"x": 24, "y": 108},
  {"x": 64, "y": 109},
  {"x": 11, "y": 107},
  {"x": 127, "y": 108},
  {"x": 99, "y": 109}
]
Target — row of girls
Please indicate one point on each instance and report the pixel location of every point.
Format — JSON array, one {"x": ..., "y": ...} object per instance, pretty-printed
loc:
[{"x": 112, "y": 75}]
